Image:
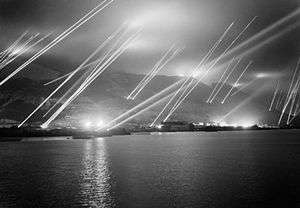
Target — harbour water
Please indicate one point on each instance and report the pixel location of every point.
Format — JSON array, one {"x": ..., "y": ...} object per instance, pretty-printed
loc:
[{"x": 193, "y": 169}]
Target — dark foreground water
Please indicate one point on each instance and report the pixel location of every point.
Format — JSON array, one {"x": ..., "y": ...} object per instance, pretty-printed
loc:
[{"x": 217, "y": 169}]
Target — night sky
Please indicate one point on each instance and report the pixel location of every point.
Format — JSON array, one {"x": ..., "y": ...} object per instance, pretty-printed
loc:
[{"x": 194, "y": 23}]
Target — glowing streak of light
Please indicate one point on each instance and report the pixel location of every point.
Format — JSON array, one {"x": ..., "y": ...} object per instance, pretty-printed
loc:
[
  {"x": 9, "y": 54},
  {"x": 268, "y": 29},
  {"x": 162, "y": 65},
  {"x": 244, "y": 102},
  {"x": 63, "y": 83},
  {"x": 278, "y": 99},
  {"x": 13, "y": 52},
  {"x": 293, "y": 79},
  {"x": 281, "y": 103},
  {"x": 84, "y": 67},
  {"x": 19, "y": 48},
  {"x": 155, "y": 67},
  {"x": 66, "y": 75},
  {"x": 152, "y": 71},
  {"x": 100, "y": 60},
  {"x": 218, "y": 83},
  {"x": 293, "y": 100},
  {"x": 190, "y": 79},
  {"x": 289, "y": 100},
  {"x": 274, "y": 96},
  {"x": 91, "y": 78},
  {"x": 213, "y": 63},
  {"x": 288, "y": 97},
  {"x": 157, "y": 95},
  {"x": 237, "y": 81},
  {"x": 166, "y": 106},
  {"x": 67, "y": 93},
  {"x": 10, "y": 48},
  {"x": 62, "y": 36},
  {"x": 245, "y": 86},
  {"x": 223, "y": 84},
  {"x": 263, "y": 43},
  {"x": 16, "y": 52},
  {"x": 25, "y": 50},
  {"x": 296, "y": 111},
  {"x": 188, "y": 82},
  {"x": 297, "y": 105},
  {"x": 140, "y": 112},
  {"x": 175, "y": 53},
  {"x": 77, "y": 93},
  {"x": 99, "y": 68},
  {"x": 254, "y": 48}
]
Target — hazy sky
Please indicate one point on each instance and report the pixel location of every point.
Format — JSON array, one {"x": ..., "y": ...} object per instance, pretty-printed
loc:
[{"x": 195, "y": 23}]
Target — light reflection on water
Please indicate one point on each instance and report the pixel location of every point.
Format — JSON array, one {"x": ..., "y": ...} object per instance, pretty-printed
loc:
[{"x": 95, "y": 186}]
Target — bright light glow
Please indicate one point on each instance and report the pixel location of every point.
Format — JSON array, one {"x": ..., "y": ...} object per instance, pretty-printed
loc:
[
  {"x": 17, "y": 51},
  {"x": 222, "y": 124},
  {"x": 237, "y": 85},
  {"x": 87, "y": 124},
  {"x": 44, "y": 126},
  {"x": 100, "y": 123},
  {"x": 261, "y": 75},
  {"x": 246, "y": 124},
  {"x": 157, "y": 17},
  {"x": 196, "y": 74},
  {"x": 159, "y": 126},
  {"x": 234, "y": 125},
  {"x": 181, "y": 75}
]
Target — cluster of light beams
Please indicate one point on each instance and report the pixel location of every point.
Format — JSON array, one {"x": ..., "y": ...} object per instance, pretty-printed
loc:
[
  {"x": 12, "y": 46},
  {"x": 292, "y": 89},
  {"x": 246, "y": 52},
  {"x": 165, "y": 59},
  {"x": 121, "y": 31},
  {"x": 280, "y": 95},
  {"x": 157, "y": 96},
  {"x": 167, "y": 104},
  {"x": 241, "y": 104},
  {"x": 219, "y": 82},
  {"x": 211, "y": 66},
  {"x": 98, "y": 70},
  {"x": 19, "y": 50},
  {"x": 237, "y": 81},
  {"x": 16, "y": 49},
  {"x": 186, "y": 87},
  {"x": 13, "y": 50},
  {"x": 62, "y": 36},
  {"x": 263, "y": 43},
  {"x": 274, "y": 96},
  {"x": 245, "y": 86},
  {"x": 293, "y": 95},
  {"x": 141, "y": 111},
  {"x": 283, "y": 21},
  {"x": 226, "y": 78},
  {"x": 164, "y": 91},
  {"x": 61, "y": 85},
  {"x": 189, "y": 80},
  {"x": 85, "y": 62}
]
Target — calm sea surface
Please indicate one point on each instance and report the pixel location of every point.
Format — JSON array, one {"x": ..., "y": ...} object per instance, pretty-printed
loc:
[{"x": 215, "y": 169}]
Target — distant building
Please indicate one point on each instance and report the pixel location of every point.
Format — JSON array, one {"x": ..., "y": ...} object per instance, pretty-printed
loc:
[{"x": 176, "y": 126}]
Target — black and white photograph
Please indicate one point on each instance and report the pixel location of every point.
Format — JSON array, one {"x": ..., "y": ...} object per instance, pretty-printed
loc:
[{"x": 149, "y": 103}]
